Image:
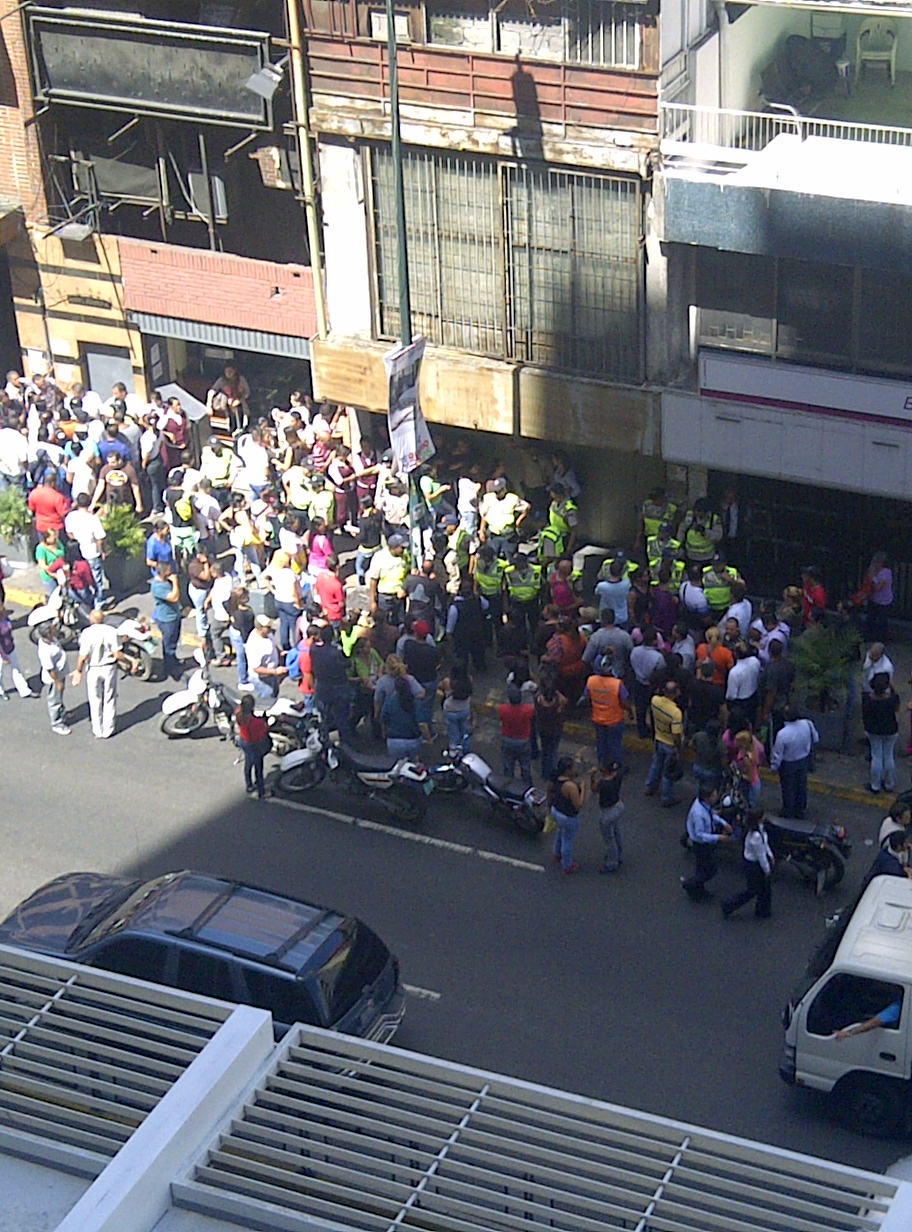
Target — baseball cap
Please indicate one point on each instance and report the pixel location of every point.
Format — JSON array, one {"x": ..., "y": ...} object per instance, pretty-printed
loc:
[
  {"x": 421, "y": 628},
  {"x": 263, "y": 622},
  {"x": 213, "y": 441},
  {"x": 449, "y": 519},
  {"x": 396, "y": 541},
  {"x": 499, "y": 485}
]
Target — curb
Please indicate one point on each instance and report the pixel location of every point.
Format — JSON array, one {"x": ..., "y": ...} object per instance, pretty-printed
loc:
[{"x": 583, "y": 734}]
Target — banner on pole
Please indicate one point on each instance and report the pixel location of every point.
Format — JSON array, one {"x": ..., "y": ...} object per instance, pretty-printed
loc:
[{"x": 409, "y": 436}]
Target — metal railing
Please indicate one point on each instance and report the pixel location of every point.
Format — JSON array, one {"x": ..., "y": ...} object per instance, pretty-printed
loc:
[{"x": 726, "y": 128}]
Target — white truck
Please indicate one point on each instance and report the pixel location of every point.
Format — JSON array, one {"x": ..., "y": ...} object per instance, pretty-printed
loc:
[{"x": 848, "y": 1026}]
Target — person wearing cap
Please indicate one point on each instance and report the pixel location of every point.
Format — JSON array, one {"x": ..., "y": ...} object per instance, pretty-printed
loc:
[
  {"x": 321, "y": 499},
  {"x": 370, "y": 532},
  {"x": 52, "y": 661},
  {"x": 657, "y": 508},
  {"x": 386, "y": 579},
  {"x": 558, "y": 536},
  {"x": 456, "y": 553},
  {"x": 717, "y": 584},
  {"x": 422, "y": 593},
  {"x": 220, "y": 466},
  {"x": 263, "y": 660},
  {"x": 523, "y": 578},
  {"x": 421, "y": 656},
  {"x": 502, "y": 513}
]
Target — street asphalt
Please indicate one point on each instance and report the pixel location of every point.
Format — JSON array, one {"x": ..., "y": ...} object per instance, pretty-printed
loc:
[{"x": 615, "y": 986}]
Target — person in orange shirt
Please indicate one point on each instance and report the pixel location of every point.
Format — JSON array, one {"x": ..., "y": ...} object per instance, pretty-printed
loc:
[
  {"x": 610, "y": 703},
  {"x": 722, "y": 658}
]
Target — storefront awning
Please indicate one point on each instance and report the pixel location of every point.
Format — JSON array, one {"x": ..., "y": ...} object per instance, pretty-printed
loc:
[{"x": 228, "y": 337}]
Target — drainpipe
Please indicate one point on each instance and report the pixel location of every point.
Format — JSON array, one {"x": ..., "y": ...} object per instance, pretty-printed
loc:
[
  {"x": 722, "y": 14},
  {"x": 301, "y": 112}
]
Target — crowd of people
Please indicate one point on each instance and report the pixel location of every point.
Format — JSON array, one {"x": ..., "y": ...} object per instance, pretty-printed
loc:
[{"x": 461, "y": 566}]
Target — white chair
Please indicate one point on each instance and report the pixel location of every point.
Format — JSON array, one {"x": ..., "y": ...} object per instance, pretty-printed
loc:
[{"x": 876, "y": 44}]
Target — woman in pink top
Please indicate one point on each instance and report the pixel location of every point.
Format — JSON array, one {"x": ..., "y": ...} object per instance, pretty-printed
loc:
[
  {"x": 747, "y": 756},
  {"x": 319, "y": 546},
  {"x": 880, "y": 598}
]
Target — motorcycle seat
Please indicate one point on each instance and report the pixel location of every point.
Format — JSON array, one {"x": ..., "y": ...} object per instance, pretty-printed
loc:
[
  {"x": 371, "y": 762},
  {"x": 511, "y": 789},
  {"x": 807, "y": 828}
]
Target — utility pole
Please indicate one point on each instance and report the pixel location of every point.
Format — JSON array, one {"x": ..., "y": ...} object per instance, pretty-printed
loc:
[{"x": 405, "y": 304}]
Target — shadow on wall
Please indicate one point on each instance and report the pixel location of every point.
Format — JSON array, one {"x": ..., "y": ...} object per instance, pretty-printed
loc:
[
  {"x": 9, "y": 95},
  {"x": 526, "y": 137}
]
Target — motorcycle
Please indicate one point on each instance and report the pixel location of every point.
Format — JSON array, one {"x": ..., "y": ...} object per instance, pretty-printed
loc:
[
  {"x": 70, "y": 617},
  {"x": 401, "y": 785},
  {"x": 188, "y": 710},
  {"x": 817, "y": 850},
  {"x": 138, "y": 647},
  {"x": 509, "y": 799}
]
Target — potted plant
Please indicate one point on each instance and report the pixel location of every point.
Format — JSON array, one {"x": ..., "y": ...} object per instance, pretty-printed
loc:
[
  {"x": 125, "y": 556},
  {"x": 15, "y": 527},
  {"x": 824, "y": 658}
]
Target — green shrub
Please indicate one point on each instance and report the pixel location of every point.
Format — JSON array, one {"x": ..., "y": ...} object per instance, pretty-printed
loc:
[
  {"x": 123, "y": 533},
  {"x": 15, "y": 516},
  {"x": 824, "y": 659}
]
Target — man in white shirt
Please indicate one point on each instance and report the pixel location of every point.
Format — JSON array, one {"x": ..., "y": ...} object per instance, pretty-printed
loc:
[
  {"x": 255, "y": 456},
  {"x": 135, "y": 406},
  {"x": 86, "y": 528},
  {"x": 740, "y": 608},
  {"x": 206, "y": 510},
  {"x": 13, "y": 457},
  {"x": 771, "y": 629},
  {"x": 791, "y": 754},
  {"x": 223, "y": 583},
  {"x": 152, "y": 465},
  {"x": 742, "y": 686},
  {"x": 263, "y": 660},
  {"x": 52, "y": 661},
  {"x": 79, "y": 473},
  {"x": 99, "y": 654}
]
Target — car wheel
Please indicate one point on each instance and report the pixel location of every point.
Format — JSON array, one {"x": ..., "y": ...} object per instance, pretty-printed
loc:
[
  {"x": 184, "y": 722},
  {"x": 871, "y": 1104},
  {"x": 301, "y": 778}
]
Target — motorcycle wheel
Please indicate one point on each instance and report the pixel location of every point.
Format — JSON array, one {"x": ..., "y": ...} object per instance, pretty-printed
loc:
[
  {"x": 829, "y": 870},
  {"x": 184, "y": 722},
  {"x": 67, "y": 636},
  {"x": 529, "y": 820},
  {"x": 136, "y": 654},
  {"x": 448, "y": 778},
  {"x": 301, "y": 778},
  {"x": 406, "y": 806},
  {"x": 285, "y": 739}
]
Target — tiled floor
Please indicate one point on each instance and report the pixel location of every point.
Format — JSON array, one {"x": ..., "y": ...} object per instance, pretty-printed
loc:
[{"x": 871, "y": 100}]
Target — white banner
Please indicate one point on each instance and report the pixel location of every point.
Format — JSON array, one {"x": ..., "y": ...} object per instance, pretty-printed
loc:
[{"x": 409, "y": 436}]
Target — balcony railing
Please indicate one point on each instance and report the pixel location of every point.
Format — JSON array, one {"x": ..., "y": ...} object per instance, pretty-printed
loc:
[{"x": 714, "y": 128}]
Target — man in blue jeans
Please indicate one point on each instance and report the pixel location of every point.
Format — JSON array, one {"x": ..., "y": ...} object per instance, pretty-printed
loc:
[
  {"x": 668, "y": 738},
  {"x": 791, "y": 757}
]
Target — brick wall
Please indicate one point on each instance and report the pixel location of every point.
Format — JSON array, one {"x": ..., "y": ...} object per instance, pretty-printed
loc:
[
  {"x": 212, "y": 287},
  {"x": 20, "y": 165}
]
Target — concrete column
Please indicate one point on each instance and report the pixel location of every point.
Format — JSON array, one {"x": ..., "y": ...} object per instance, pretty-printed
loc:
[{"x": 345, "y": 239}]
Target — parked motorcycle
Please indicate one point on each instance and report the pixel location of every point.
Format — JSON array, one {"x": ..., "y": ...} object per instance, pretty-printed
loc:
[
  {"x": 817, "y": 850},
  {"x": 138, "y": 646},
  {"x": 70, "y": 617},
  {"x": 508, "y": 798},
  {"x": 401, "y": 785},
  {"x": 188, "y": 710}
]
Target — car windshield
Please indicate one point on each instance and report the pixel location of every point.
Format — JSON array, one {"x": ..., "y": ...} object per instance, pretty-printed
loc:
[
  {"x": 356, "y": 963},
  {"x": 110, "y": 915}
]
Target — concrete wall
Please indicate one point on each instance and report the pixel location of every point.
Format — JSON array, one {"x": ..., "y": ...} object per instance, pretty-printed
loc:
[{"x": 20, "y": 162}]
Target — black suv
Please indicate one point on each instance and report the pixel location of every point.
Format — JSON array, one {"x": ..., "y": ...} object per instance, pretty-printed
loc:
[{"x": 221, "y": 939}]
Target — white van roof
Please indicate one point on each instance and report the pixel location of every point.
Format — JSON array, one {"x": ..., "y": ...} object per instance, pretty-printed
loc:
[{"x": 878, "y": 940}]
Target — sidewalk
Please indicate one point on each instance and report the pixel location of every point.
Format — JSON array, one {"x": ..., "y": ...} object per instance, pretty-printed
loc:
[{"x": 840, "y": 775}]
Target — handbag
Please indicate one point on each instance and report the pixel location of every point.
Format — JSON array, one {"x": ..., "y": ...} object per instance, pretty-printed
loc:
[{"x": 673, "y": 769}]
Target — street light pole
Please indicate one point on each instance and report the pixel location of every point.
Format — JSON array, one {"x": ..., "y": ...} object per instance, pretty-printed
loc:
[{"x": 405, "y": 304}]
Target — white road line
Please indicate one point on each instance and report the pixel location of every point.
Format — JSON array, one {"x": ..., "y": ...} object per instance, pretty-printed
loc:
[
  {"x": 423, "y": 994},
  {"x": 410, "y": 836}
]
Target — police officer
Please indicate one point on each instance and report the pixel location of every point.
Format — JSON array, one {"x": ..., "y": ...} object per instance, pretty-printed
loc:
[
  {"x": 558, "y": 536},
  {"x": 457, "y": 551},
  {"x": 523, "y": 579},
  {"x": 656, "y": 545},
  {"x": 700, "y": 532},
  {"x": 717, "y": 580},
  {"x": 677, "y": 567},
  {"x": 386, "y": 577},
  {"x": 657, "y": 508},
  {"x": 489, "y": 576},
  {"x": 628, "y": 567}
]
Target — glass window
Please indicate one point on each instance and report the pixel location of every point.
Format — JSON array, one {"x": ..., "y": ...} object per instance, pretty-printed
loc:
[
  {"x": 288, "y": 1000},
  {"x": 140, "y": 957},
  {"x": 846, "y": 999},
  {"x": 815, "y": 310},
  {"x": 207, "y": 974},
  {"x": 885, "y": 321}
]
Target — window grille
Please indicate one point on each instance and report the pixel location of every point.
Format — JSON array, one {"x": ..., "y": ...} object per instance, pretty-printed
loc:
[{"x": 529, "y": 264}]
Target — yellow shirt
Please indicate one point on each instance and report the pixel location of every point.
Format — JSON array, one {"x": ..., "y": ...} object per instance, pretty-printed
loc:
[
  {"x": 388, "y": 571},
  {"x": 667, "y": 720}
]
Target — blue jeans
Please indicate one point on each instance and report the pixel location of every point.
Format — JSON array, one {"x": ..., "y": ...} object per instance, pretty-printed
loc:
[
  {"x": 288, "y": 615},
  {"x": 240, "y": 654},
  {"x": 550, "y": 743},
  {"x": 883, "y": 767},
  {"x": 662, "y": 758},
  {"x": 402, "y": 748},
  {"x": 457, "y": 726},
  {"x": 609, "y": 743},
  {"x": 253, "y": 767},
  {"x": 197, "y": 597},
  {"x": 334, "y": 704},
  {"x": 513, "y": 751},
  {"x": 265, "y": 688},
  {"x": 793, "y": 780},
  {"x": 566, "y": 832},
  {"x": 98, "y": 577},
  {"x": 362, "y": 562},
  {"x": 170, "y": 634},
  {"x": 424, "y": 707}
]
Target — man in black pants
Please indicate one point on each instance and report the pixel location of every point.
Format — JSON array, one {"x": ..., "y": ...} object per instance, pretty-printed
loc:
[{"x": 705, "y": 828}]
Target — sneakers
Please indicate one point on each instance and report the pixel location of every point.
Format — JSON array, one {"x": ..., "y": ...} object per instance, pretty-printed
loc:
[
  {"x": 245, "y": 688},
  {"x": 60, "y": 729},
  {"x": 571, "y": 868}
]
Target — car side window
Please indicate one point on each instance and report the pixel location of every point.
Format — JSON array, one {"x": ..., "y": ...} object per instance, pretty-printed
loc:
[
  {"x": 140, "y": 957},
  {"x": 846, "y": 999},
  {"x": 206, "y": 974},
  {"x": 287, "y": 999}
]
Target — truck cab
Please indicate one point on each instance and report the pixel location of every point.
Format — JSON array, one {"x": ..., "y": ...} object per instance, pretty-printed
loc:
[{"x": 860, "y": 973}]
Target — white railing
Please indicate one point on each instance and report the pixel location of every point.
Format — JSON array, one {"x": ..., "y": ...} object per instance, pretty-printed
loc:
[{"x": 728, "y": 129}]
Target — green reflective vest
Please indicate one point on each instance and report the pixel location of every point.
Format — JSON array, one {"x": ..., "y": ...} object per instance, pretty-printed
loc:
[
  {"x": 655, "y": 514},
  {"x": 523, "y": 584},
  {"x": 489, "y": 580},
  {"x": 697, "y": 543},
  {"x": 654, "y": 547},
  {"x": 562, "y": 517},
  {"x": 717, "y": 587}
]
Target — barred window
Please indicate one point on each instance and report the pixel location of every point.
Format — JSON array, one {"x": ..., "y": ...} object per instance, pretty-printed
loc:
[{"x": 536, "y": 265}]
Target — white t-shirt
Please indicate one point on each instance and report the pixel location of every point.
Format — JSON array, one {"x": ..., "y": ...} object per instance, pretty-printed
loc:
[
  {"x": 13, "y": 452},
  {"x": 219, "y": 594},
  {"x": 260, "y": 651},
  {"x": 98, "y": 643},
  {"x": 86, "y": 529},
  {"x": 467, "y": 495},
  {"x": 208, "y": 511},
  {"x": 81, "y": 476},
  {"x": 51, "y": 658},
  {"x": 284, "y": 583},
  {"x": 743, "y": 679},
  {"x": 256, "y": 462},
  {"x": 150, "y": 444}
]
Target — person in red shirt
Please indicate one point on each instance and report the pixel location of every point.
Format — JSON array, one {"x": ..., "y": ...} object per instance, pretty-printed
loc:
[
  {"x": 48, "y": 505},
  {"x": 306, "y": 686},
  {"x": 516, "y": 719},
  {"x": 812, "y": 593},
  {"x": 330, "y": 591},
  {"x": 73, "y": 572},
  {"x": 254, "y": 742}
]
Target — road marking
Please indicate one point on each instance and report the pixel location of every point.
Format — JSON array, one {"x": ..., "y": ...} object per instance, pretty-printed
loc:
[
  {"x": 423, "y": 994},
  {"x": 410, "y": 836}
]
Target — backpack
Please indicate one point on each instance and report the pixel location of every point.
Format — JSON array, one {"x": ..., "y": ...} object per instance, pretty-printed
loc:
[
  {"x": 292, "y": 663},
  {"x": 184, "y": 509}
]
